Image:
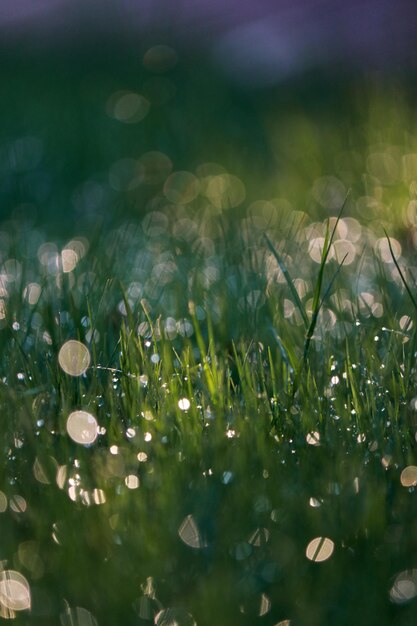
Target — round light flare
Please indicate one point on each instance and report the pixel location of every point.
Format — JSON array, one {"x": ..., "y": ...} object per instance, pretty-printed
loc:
[
  {"x": 82, "y": 427},
  {"x": 313, "y": 438},
  {"x": 344, "y": 250},
  {"x": 131, "y": 108},
  {"x": 189, "y": 533},
  {"x": 408, "y": 476},
  {"x": 225, "y": 191},
  {"x": 14, "y": 591},
  {"x": 132, "y": 481},
  {"x": 74, "y": 358},
  {"x": 315, "y": 250},
  {"x": 3, "y": 502},
  {"x": 181, "y": 187},
  {"x": 184, "y": 404},
  {"x": 69, "y": 259},
  {"x": 382, "y": 247},
  {"x": 320, "y": 549},
  {"x": 404, "y": 588}
]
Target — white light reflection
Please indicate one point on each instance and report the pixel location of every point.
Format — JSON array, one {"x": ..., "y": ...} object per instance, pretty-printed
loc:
[
  {"x": 14, "y": 591},
  {"x": 320, "y": 549},
  {"x": 404, "y": 588},
  {"x": 82, "y": 427},
  {"x": 74, "y": 358},
  {"x": 190, "y": 534}
]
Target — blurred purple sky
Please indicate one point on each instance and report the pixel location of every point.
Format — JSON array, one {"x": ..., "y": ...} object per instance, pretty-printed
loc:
[{"x": 259, "y": 41}]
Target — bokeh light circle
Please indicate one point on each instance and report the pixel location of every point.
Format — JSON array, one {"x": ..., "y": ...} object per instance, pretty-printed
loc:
[
  {"x": 82, "y": 427},
  {"x": 74, "y": 358}
]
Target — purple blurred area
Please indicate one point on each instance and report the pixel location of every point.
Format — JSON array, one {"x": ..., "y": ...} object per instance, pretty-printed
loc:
[{"x": 256, "y": 41}]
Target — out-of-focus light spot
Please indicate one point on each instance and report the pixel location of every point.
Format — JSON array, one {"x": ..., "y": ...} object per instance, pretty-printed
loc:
[
  {"x": 18, "y": 504},
  {"x": 383, "y": 250},
  {"x": 99, "y": 497},
  {"x": 225, "y": 191},
  {"x": 315, "y": 249},
  {"x": 160, "y": 58},
  {"x": 285, "y": 622},
  {"x": 156, "y": 167},
  {"x": 344, "y": 250},
  {"x": 319, "y": 549},
  {"x": 189, "y": 533},
  {"x": 404, "y": 588},
  {"x": 79, "y": 245},
  {"x": 313, "y": 438},
  {"x": 408, "y": 476},
  {"x": 406, "y": 323},
  {"x": 61, "y": 476},
  {"x": 314, "y": 502},
  {"x": 3, "y": 502},
  {"x": 265, "y": 605},
  {"x": 14, "y": 591},
  {"x": 185, "y": 327},
  {"x": 82, "y": 427},
  {"x": 48, "y": 255},
  {"x": 132, "y": 481},
  {"x": 69, "y": 260},
  {"x": 329, "y": 192},
  {"x": 142, "y": 457},
  {"x": 77, "y": 617},
  {"x": 256, "y": 605},
  {"x": 127, "y": 107},
  {"x": 181, "y": 187},
  {"x": 263, "y": 214},
  {"x": 131, "y": 108},
  {"x": 114, "y": 450},
  {"x": 170, "y": 328},
  {"x": 354, "y": 229},
  {"x": 32, "y": 293},
  {"x": 184, "y": 404},
  {"x": 74, "y": 358}
]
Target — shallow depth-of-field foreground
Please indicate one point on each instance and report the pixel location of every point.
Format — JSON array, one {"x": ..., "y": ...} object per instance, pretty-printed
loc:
[{"x": 192, "y": 433}]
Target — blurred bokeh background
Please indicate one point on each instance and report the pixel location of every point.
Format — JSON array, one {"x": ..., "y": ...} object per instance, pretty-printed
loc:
[{"x": 101, "y": 101}]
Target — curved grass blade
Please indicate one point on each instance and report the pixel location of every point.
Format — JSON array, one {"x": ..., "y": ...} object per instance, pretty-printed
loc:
[
  {"x": 397, "y": 265},
  {"x": 289, "y": 280}
]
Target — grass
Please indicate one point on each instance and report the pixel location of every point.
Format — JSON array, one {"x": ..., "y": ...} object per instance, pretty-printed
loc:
[
  {"x": 249, "y": 384},
  {"x": 226, "y": 442}
]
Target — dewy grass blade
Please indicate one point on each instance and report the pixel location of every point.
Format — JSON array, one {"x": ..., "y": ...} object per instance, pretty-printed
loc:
[
  {"x": 397, "y": 265},
  {"x": 317, "y": 300},
  {"x": 289, "y": 280}
]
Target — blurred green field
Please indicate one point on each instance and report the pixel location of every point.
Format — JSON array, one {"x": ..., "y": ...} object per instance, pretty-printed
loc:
[{"x": 207, "y": 346}]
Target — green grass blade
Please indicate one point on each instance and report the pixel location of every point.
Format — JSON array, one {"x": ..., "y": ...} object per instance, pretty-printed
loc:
[{"x": 289, "y": 280}]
